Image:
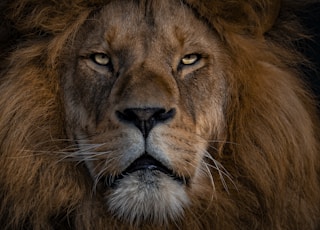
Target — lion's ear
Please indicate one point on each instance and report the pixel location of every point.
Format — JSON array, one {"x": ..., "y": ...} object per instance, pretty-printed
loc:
[{"x": 252, "y": 17}]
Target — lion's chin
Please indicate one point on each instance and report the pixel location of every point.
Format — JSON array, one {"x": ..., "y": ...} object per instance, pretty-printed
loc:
[{"x": 147, "y": 196}]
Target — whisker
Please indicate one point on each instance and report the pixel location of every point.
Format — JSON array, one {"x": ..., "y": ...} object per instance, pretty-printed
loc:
[
  {"x": 206, "y": 171},
  {"x": 97, "y": 177},
  {"x": 223, "y": 172},
  {"x": 85, "y": 152},
  {"x": 222, "y": 141},
  {"x": 211, "y": 178}
]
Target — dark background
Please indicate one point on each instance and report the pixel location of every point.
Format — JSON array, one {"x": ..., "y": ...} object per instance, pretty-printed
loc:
[{"x": 311, "y": 48}]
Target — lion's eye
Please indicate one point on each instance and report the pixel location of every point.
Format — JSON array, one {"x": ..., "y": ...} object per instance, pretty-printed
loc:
[
  {"x": 100, "y": 59},
  {"x": 190, "y": 59}
]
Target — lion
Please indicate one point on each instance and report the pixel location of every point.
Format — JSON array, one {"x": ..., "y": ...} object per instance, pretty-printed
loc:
[{"x": 156, "y": 115}]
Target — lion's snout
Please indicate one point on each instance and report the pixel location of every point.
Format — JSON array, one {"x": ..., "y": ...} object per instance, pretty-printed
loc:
[{"x": 145, "y": 118}]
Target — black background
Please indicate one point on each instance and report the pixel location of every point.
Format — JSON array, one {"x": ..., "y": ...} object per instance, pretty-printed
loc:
[{"x": 311, "y": 48}]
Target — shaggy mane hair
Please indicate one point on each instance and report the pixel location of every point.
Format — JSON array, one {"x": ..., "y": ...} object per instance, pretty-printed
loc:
[{"x": 275, "y": 165}]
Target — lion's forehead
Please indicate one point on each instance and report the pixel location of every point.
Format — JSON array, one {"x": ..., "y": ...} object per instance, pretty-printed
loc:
[{"x": 159, "y": 27}]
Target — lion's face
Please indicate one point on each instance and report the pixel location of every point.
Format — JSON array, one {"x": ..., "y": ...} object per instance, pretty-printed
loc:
[{"x": 144, "y": 97}]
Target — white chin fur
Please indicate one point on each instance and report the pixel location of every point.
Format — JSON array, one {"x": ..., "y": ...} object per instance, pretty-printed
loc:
[{"x": 147, "y": 196}]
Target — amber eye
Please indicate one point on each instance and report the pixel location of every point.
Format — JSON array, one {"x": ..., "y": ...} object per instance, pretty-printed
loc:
[
  {"x": 190, "y": 59},
  {"x": 100, "y": 59}
]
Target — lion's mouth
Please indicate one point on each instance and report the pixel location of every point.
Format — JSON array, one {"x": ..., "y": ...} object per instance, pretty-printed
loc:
[{"x": 146, "y": 163}]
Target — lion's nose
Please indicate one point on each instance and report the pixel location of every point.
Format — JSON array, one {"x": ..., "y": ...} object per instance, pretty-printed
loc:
[{"x": 145, "y": 118}]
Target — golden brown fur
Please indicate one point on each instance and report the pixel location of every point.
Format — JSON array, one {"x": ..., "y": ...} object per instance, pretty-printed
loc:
[{"x": 245, "y": 121}]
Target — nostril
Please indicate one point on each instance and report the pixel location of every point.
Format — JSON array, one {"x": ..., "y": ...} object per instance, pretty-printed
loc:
[
  {"x": 145, "y": 118},
  {"x": 162, "y": 115}
]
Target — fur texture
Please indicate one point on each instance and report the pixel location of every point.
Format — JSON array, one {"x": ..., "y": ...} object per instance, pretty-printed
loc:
[{"x": 261, "y": 138}]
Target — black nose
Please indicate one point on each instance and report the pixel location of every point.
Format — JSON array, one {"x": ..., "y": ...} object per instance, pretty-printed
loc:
[{"x": 145, "y": 118}]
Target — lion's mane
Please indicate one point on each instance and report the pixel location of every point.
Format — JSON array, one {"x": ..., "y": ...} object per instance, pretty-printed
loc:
[{"x": 271, "y": 148}]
